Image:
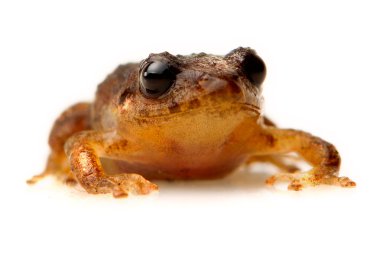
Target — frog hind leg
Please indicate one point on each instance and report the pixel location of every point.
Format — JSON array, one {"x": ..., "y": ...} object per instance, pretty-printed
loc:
[
  {"x": 321, "y": 155},
  {"x": 74, "y": 119}
]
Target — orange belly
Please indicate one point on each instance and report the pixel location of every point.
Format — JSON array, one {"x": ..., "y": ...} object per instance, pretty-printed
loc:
[{"x": 176, "y": 170}]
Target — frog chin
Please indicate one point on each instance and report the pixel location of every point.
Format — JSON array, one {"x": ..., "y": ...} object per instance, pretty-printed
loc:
[
  {"x": 200, "y": 127},
  {"x": 203, "y": 125}
]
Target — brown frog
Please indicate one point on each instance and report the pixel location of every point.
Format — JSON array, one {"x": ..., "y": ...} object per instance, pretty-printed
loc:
[{"x": 180, "y": 117}]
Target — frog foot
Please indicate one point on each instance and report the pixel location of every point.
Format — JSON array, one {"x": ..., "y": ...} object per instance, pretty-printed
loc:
[
  {"x": 299, "y": 180},
  {"x": 122, "y": 185}
]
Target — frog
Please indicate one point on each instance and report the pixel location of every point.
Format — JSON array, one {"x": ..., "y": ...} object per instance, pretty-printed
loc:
[{"x": 181, "y": 117}]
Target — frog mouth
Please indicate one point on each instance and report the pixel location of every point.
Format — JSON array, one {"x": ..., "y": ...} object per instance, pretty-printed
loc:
[
  {"x": 249, "y": 107},
  {"x": 209, "y": 109}
]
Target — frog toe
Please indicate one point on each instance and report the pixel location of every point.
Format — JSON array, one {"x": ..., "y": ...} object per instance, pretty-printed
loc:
[
  {"x": 124, "y": 184},
  {"x": 300, "y": 180}
]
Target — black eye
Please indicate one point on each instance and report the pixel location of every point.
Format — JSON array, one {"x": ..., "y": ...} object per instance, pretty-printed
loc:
[
  {"x": 254, "y": 68},
  {"x": 156, "y": 78}
]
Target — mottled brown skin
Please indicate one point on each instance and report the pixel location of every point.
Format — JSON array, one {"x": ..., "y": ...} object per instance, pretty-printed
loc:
[{"x": 206, "y": 125}]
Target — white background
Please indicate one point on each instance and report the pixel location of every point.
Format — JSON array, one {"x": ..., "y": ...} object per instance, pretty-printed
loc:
[{"x": 323, "y": 77}]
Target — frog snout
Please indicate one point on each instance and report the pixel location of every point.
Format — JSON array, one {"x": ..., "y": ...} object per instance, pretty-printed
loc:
[{"x": 213, "y": 85}]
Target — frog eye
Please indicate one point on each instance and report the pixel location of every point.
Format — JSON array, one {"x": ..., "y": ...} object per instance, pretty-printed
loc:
[
  {"x": 254, "y": 69},
  {"x": 156, "y": 78}
]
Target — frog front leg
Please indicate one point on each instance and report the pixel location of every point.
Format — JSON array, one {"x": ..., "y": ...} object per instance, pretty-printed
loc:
[
  {"x": 321, "y": 155},
  {"x": 84, "y": 151}
]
